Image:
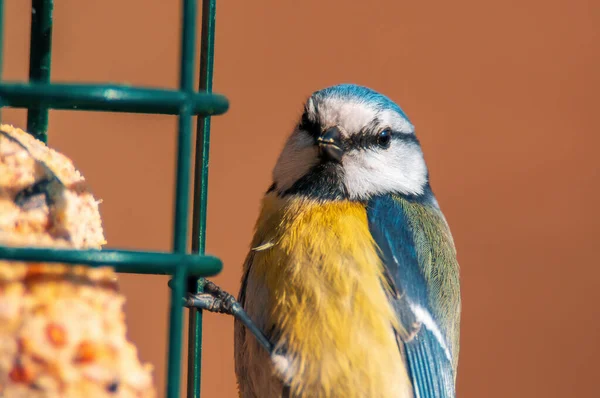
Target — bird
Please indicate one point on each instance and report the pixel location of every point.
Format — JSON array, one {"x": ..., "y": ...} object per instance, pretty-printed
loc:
[{"x": 352, "y": 272}]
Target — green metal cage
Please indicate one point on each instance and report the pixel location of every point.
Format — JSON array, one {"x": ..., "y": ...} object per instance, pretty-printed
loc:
[{"x": 187, "y": 267}]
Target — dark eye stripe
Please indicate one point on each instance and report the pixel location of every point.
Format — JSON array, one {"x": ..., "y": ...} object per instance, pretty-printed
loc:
[
  {"x": 370, "y": 140},
  {"x": 363, "y": 141}
]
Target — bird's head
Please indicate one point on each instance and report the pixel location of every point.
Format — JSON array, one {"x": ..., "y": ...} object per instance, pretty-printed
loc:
[{"x": 351, "y": 143}]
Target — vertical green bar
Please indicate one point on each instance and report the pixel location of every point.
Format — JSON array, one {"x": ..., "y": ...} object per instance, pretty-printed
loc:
[
  {"x": 39, "y": 62},
  {"x": 182, "y": 199},
  {"x": 207, "y": 49}
]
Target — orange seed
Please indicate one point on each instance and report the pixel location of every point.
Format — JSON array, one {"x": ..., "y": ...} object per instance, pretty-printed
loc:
[
  {"x": 21, "y": 374},
  {"x": 86, "y": 352},
  {"x": 56, "y": 334}
]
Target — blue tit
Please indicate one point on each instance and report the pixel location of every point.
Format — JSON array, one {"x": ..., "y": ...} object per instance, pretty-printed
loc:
[{"x": 352, "y": 273}]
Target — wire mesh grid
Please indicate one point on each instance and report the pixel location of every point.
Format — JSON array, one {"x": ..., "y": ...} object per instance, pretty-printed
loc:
[{"x": 187, "y": 269}]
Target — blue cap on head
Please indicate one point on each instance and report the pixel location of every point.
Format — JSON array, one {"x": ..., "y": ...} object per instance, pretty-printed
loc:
[{"x": 360, "y": 93}]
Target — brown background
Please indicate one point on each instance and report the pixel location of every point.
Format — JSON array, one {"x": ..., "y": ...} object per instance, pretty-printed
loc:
[{"x": 504, "y": 98}]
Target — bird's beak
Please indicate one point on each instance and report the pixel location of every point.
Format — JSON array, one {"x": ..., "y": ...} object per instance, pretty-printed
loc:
[{"x": 330, "y": 144}]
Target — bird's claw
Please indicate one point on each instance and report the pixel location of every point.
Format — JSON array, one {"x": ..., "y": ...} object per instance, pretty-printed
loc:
[{"x": 213, "y": 299}]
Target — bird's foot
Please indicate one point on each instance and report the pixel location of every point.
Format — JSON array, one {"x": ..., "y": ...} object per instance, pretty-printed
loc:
[{"x": 215, "y": 299}]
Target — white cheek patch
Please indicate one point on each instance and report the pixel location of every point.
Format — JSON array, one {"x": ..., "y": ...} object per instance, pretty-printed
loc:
[
  {"x": 400, "y": 168},
  {"x": 297, "y": 158}
]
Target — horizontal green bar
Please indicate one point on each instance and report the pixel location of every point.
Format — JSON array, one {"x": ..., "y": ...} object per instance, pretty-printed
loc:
[
  {"x": 111, "y": 98},
  {"x": 133, "y": 262}
]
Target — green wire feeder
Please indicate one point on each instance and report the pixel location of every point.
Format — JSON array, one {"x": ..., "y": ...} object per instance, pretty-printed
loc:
[{"x": 39, "y": 95}]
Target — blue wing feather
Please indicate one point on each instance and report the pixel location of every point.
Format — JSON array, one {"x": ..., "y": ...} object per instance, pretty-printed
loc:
[
  {"x": 426, "y": 351},
  {"x": 429, "y": 366}
]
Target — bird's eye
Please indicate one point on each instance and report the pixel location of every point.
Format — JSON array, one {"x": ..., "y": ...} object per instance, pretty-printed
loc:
[{"x": 384, "y": 138}]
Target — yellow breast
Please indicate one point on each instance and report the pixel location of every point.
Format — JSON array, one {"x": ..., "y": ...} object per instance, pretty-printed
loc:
[{"x": 326, "y": 300}]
